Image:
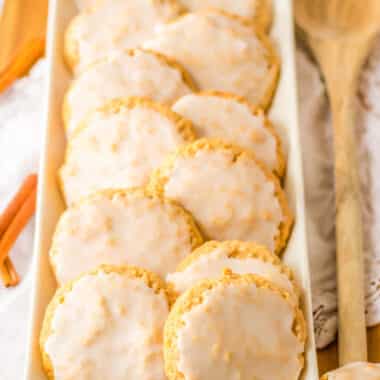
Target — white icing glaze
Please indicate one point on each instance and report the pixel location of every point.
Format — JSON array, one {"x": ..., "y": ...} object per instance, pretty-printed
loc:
[
  {"x": 244, "y": 8},
  {"x": 226, "y": 118},
  {"x": 117, "y": 25},
  {"x": 129, "y": 229},
  {"x": 212, "y": 265},
  {"x": 109, "y": 327},
  {"x": 237, "y": 61},
  {"x": 232, "y": 183},
  {"x": 239, "y": 332},
  {"x": 117, "y": 150},
  {"x": 122, "y": 75},
  {"x": 356, "y": 371}
]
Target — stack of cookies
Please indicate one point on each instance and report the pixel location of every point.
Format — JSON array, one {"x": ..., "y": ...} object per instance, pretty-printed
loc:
[{"x": 168, "y": 256}]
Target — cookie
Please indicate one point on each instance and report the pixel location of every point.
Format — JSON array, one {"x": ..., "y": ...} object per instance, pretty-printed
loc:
[
  {"x": 242, "y": 59},
  {"x": 114, "y": 25},
  {"x": 231, "y": 194},
  {"x": 119, "y": 145},
  {"x": 238, "y": 327},
  {"x": 355, "y": 371},
  {"x": 260, "y": 11},
  {"x": 122, "y": 227},
  {"x": 107, "y": 324},
  {"x": 227, "y": 116},
  {"x": 124, "y": 74},
  {"x": 212, "y": 258}
]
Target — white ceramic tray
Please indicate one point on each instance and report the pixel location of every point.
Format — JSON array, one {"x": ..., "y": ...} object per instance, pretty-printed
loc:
[{"x": 50, "y": 205}]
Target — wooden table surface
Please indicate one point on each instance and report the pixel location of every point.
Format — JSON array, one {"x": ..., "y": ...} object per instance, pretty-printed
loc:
[
  {"x": 35, "y": 12},
  {"x": 328, "y": 358}
]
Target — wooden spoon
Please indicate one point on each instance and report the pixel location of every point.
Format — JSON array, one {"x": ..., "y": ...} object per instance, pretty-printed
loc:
[{"x": 340, "y": 33}]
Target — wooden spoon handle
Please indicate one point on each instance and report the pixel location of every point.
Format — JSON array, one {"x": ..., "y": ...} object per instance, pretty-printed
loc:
[
  {"x": 350, "y": 263},
  {"x": 341, "y": 61}
]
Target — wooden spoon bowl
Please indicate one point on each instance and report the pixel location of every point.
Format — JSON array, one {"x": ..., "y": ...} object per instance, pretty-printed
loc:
[
  {"x": 340, "y": 33},
  {"x": 337, "y": 18}
]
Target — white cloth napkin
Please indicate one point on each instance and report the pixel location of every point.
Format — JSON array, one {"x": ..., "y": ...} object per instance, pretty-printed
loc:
[
  {"x": 20, "y": 127},
  {"x": 20, "y": 139},
  {"x": 318, "y": 169}
]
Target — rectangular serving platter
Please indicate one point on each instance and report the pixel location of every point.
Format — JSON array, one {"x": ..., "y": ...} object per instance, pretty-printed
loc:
[{"x": 50, "y": 205}]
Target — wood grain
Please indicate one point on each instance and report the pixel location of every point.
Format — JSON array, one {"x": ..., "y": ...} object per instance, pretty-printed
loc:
[
  {"x": 328, "y": 358},
  {"x": 341, "y": 62},
  {"x": 340, "y": 34},
  {"x": 22, "y": 37}
]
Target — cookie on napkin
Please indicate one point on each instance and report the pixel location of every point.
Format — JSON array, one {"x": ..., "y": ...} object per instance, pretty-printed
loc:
[{"x": 355, "y": 371}]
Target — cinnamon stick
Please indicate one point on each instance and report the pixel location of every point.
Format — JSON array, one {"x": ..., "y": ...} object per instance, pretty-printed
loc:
[
  {"x": 5, "y": 275},
  {"x": 28, "y": 54},
  {"x": 14, "y": 206},
  {"x": 8, "y": 273},
  {"x": 17, "y": 225}
]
